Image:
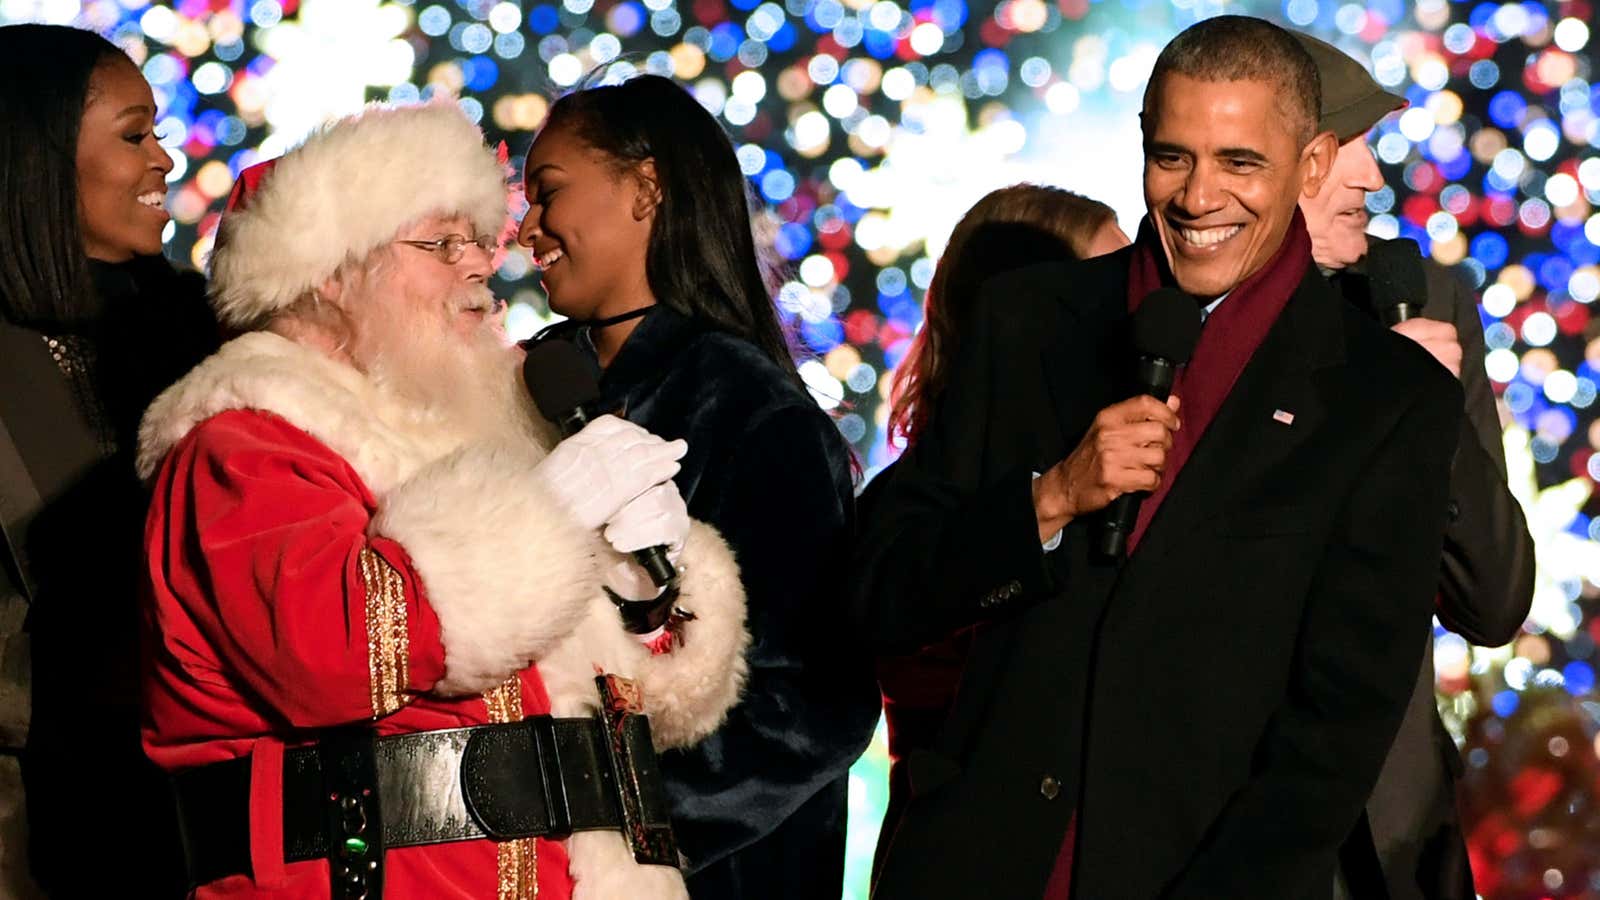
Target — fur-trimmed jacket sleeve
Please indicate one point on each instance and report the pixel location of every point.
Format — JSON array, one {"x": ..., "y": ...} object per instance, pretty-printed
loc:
[
  {"x": 515, "y": 581},
  {"x": 507, "y": 570},
  {"x": 686, "y": 691}
]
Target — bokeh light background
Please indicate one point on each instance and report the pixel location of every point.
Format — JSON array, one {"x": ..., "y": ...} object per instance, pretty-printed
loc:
[{"x": 868, "y": 126}]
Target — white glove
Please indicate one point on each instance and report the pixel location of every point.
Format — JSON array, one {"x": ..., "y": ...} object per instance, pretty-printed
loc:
[
  {"x": 658, "y": 517},
  {"x": 597, "y": 471}
]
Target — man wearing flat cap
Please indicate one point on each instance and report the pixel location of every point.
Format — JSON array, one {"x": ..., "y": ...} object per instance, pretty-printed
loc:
[{"x": 1411, "y": 838}]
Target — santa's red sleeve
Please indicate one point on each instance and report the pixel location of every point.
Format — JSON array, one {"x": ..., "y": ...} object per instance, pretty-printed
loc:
[{"x": 258, "y": 541}]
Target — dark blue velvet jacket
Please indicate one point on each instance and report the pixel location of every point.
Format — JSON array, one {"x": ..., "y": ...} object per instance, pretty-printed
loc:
[{"x": 759, "y": 807}]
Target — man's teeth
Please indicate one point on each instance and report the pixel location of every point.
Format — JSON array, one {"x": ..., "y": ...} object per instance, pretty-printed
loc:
[
  {"x": 546, "y": 260},
  {"x": 1205, "y": 237},
  {"x": 154, "y": 199}
]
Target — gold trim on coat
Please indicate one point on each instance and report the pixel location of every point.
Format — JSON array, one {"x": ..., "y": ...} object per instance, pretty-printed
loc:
[
  {"x": 388, "y": 641},
  {"x": 519, "y": 859}
]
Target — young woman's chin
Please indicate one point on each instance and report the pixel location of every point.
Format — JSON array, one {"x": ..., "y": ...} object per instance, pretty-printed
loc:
[{"x": 564, "y": 303}]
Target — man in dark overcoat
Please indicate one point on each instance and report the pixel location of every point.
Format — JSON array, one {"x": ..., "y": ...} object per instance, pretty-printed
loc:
[{"x": 1206, "y": 716}]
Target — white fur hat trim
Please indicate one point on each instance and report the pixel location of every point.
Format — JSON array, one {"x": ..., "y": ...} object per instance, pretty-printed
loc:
[{"x": 346, "y": 191}]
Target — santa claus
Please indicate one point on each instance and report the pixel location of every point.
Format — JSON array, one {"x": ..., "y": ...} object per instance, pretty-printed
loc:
[{"x": 386, "y": 656}]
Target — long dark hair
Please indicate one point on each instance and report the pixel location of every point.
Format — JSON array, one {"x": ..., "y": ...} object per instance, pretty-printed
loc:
[
  {"x": 44, "y": 83},
  {"x": 1009, "y": 228},
  {"x": 702, "y": 258}
]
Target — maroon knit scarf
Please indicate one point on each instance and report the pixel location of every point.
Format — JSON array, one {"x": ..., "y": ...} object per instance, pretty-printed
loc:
[{"x": 1230, "y": 337}]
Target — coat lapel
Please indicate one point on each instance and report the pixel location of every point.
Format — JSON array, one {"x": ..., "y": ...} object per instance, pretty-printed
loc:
[{"x": 1275, "y": 406}]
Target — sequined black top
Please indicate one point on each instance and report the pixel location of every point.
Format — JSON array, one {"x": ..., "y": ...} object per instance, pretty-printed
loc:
[
  {"x": 74, "y": 355},
  {"x": 72, "y": 391}
]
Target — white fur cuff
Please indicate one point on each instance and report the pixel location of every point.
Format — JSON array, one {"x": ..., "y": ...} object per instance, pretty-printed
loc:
[
  {"x": 688, "y": 691},
  {"x": 508, "y": 572}
]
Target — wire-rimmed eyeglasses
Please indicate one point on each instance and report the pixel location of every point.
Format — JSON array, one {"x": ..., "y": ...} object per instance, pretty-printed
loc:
[{"x": 451, "y": 247}]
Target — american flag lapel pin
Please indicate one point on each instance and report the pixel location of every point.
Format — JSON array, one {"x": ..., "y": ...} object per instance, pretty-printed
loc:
[{"x": 1283, "y": 415}]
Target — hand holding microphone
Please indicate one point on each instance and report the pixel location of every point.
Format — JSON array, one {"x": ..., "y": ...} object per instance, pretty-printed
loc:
[
  {"x": 1438, "y": 338},
  {"x": 606, "y": 464},
  {"x": 1399, "y": 291},
  {"x": 1166, "y": 328},
  {"x": 1124, "y": 451},
  {"x": 657, "y": 518},
  {"x": 597, "y": 472}
]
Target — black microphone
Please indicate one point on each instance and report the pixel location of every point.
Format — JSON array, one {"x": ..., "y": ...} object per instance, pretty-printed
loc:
[
  {"x": 565, "y": 384},
  {"x": 1165, "y": 328},
  {"x": 1399, "y": 286}
]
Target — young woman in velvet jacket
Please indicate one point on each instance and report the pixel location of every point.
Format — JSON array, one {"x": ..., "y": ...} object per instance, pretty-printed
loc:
[
  {"x": 93, "y": 324},
  {"x": 639, "y": 224}
]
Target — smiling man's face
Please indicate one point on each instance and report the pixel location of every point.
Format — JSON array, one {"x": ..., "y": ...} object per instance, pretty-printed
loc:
[{"x": 1223, "y": 171}]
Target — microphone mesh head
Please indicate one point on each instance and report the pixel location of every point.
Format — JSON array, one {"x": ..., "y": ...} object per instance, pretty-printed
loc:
[
  {"x": 560, "y": 377},
  {"x": 1395, "y": 270},
  {"x": 1167, "y": 325}
]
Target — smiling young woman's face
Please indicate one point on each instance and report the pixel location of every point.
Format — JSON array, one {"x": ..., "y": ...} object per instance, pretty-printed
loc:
[
  {"x": 588, "y": 227},
  {"x": 122, "y": 168}
]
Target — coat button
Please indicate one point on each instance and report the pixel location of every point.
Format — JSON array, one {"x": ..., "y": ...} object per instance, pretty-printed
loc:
[
  {"x": 1049, "y": 787},
  {"x": 1454, "y": 510}
]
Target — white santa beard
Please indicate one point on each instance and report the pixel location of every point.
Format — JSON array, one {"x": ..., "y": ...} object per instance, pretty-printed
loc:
[{"x": 467, "y": 384}]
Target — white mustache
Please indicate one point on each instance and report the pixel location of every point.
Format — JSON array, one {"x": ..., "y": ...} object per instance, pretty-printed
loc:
[{"x": 476, "y": 297}]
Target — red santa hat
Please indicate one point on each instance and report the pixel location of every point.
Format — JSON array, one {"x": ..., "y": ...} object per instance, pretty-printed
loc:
[
  {"x": 246, "y": 185},
  {"x": 348, "y": 190}
]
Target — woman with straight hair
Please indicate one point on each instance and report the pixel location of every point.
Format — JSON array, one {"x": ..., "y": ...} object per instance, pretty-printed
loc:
[
  {"x": 639, "y": 224},
  {"x": 93, "y": 324},
  {"x": 1008, "y": 229}
]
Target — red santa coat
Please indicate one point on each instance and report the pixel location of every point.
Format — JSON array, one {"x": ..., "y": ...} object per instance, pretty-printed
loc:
[{"x": 320, "y": 555}]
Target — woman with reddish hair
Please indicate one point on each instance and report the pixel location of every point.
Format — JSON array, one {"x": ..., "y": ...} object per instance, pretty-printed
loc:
[{"x": 1009, "y": 228}]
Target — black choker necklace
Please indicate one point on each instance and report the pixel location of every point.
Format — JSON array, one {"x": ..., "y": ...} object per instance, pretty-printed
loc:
[{"x": 569, "y": 325}]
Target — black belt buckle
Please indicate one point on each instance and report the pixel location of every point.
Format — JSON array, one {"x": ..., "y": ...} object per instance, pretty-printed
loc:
[
  {"x": 352, "y": 816},
  {"x": 646, "y": 823},
  {"x": 511, "y": 780}
]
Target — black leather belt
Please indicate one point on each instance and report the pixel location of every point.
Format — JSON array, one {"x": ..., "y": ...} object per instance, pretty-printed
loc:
[{"x": 540, "y": 777}]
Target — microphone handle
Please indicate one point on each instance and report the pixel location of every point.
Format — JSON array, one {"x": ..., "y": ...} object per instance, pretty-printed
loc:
[
  {"x": 655, "y": 563},
  {"x": 1155, "y": 376},
  {"x": 1394, "y": 315},
  {"x": 573, "y": 421}
]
